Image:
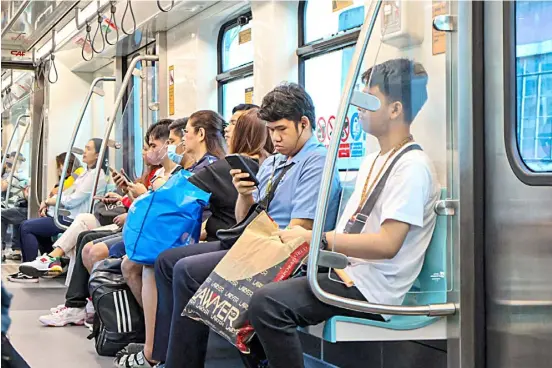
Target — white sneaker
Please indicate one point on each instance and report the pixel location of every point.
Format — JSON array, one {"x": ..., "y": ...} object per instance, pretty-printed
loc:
[
  {"x": 40, "y": 266},
  {"x": 57, "y": 308},
  {"x": 90, "y": 307},
  {"x": 64, "y": 317},
  {"x": 90, "y": 311}
]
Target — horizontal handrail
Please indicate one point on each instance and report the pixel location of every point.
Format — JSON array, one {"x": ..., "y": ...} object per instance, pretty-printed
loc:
[{"x": 16, "y": 16}]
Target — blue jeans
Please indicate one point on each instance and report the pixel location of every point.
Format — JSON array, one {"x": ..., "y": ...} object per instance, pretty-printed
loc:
[{"x": 36, "y": 234}]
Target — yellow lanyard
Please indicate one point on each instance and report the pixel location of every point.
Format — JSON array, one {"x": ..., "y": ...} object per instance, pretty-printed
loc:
[{"x": 368, "y": 189}]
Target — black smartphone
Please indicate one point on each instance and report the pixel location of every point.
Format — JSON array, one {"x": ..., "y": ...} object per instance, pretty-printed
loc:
[
  {"x": 123, "y": 174},
  {"x": 237, "y": 162}
]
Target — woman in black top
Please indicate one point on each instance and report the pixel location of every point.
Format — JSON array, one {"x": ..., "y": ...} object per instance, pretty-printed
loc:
[{"x": 250, "y": 138}]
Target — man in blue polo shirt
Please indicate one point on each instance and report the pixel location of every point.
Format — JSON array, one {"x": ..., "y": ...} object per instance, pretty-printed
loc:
[{"x": 295, "y": 173}]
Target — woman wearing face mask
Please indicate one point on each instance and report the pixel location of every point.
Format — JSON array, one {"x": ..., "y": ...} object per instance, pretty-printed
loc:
[
  {"x": 177, "y": 145},
  {"x": 36, "y": 233}
]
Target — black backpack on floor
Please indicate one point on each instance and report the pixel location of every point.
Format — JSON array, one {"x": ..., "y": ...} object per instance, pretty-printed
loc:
[{"x": 119, "y": 319}]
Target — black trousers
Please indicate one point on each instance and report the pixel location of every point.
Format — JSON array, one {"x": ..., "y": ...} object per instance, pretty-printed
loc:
[
  {"x": 10, "y": 356},
  {"x": 179, "y": 272},
  {"x": 77, "y": 292},
  {"x": 277, "y": 309},
  {"x": 12, "y": 216}
]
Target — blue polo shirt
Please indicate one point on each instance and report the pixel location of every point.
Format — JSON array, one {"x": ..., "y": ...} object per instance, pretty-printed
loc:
[{"x": 297, "y": 193}]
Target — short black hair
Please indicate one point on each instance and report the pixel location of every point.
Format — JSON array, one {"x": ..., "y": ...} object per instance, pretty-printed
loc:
[
  {"x": 244, "y": 107},
  {"x": 288, "y": 101},
  {"x": 160, "y": 130},
  {"x": 178, "y": 126},
  {"x": 401, "y": 80}
]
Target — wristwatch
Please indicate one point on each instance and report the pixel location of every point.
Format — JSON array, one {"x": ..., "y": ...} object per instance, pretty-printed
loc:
[{"x": 324, "y": 242}]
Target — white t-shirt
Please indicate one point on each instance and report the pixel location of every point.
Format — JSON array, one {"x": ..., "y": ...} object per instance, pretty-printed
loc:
[{"x": 409, "y": 196}]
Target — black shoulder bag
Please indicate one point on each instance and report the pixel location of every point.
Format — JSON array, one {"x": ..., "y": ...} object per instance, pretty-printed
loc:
[{"x": 228, "y": 237}]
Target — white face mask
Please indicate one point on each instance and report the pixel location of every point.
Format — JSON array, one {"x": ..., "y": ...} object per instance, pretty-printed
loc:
[{"x": 171, "y": 152}]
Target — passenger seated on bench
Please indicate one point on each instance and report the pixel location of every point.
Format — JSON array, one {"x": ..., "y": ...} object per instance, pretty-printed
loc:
[
  {"x": 289, "y": 114},
  {"x": 205, "y": 145},
  {"x": 177, "y": 145},
  {"x": 16, "y": 215},
  {"x": 36, "y": 233},
  {"x": 250, "y": 133},
  {"x": 76, "y": 298},
  {"x": 387, "y": 256}
]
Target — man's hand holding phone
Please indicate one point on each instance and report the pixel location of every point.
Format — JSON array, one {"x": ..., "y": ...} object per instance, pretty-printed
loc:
[{"x": 242, "y": 185}]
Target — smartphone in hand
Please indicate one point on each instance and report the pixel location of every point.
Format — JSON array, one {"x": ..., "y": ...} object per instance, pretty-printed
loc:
[
  {"x": 120, "y": 180},
  {"x": 237, "y": 162}
]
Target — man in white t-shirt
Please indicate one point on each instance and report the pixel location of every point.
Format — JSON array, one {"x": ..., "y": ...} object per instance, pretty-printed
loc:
[{"x": 387, "y": 256}]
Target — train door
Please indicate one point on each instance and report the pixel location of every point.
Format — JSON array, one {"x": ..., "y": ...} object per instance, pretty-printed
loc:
[{"x": 518, "y": 183}]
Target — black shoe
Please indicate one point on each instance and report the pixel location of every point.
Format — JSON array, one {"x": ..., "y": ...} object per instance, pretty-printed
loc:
[{"x": 22, "y": 278}]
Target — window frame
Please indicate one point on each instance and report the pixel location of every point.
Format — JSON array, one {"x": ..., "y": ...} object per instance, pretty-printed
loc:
[
  {"x": 512, "y": 146},
  {"x": 309, "y": 50},
  {"x": 233, "y": 74}
]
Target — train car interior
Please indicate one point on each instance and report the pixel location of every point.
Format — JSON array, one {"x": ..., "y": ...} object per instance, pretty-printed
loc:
[{"x": 86, "y": 84}]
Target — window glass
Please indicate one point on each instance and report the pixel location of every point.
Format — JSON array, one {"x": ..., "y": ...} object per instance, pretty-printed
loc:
[
  {"x": 534, "y": 84},
  {"x": 325, "y": 18},
  {"x": 235, "y": 93},
  {"x": 237, "y": 47},
  {"x": 325, "y": 90}
]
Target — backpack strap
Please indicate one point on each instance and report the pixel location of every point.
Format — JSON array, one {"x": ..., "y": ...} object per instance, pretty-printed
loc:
[{"x": 355, "y": 226}]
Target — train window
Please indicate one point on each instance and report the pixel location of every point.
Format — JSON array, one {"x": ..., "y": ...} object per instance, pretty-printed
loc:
[
  {"x": 533, "y": 70},
  {"x": 326, "y": 18},
  {"x": 333, "y": 27},
  {"x": 235, "y": 64}
]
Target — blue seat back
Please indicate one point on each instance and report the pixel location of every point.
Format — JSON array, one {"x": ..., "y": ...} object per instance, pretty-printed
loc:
[
  {"x": 431, "y": 285},
  {"x": 347, "y": 189}
]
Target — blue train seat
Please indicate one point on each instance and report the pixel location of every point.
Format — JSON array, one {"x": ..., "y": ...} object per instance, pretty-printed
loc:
[{"x": 429, "y": 288}]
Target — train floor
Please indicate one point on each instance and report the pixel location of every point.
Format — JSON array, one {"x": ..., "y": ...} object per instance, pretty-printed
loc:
[{"x": 63, "y": 347}]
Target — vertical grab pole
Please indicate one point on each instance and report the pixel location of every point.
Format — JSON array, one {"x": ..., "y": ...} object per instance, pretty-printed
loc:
[
  {"x": 71, "y": 143},
  {"x": 325, "y": 186},
  {"x": 112, "y": 118},
  {"x": 34, "y": 182},
  {"x": 10, "y": 177},
  {"x": 5, "y": 158}
]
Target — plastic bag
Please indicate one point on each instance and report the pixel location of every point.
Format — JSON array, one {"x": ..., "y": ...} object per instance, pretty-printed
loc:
[
  {"x": 257, "y": 258},
  {"x": 166, "y": 218}
]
